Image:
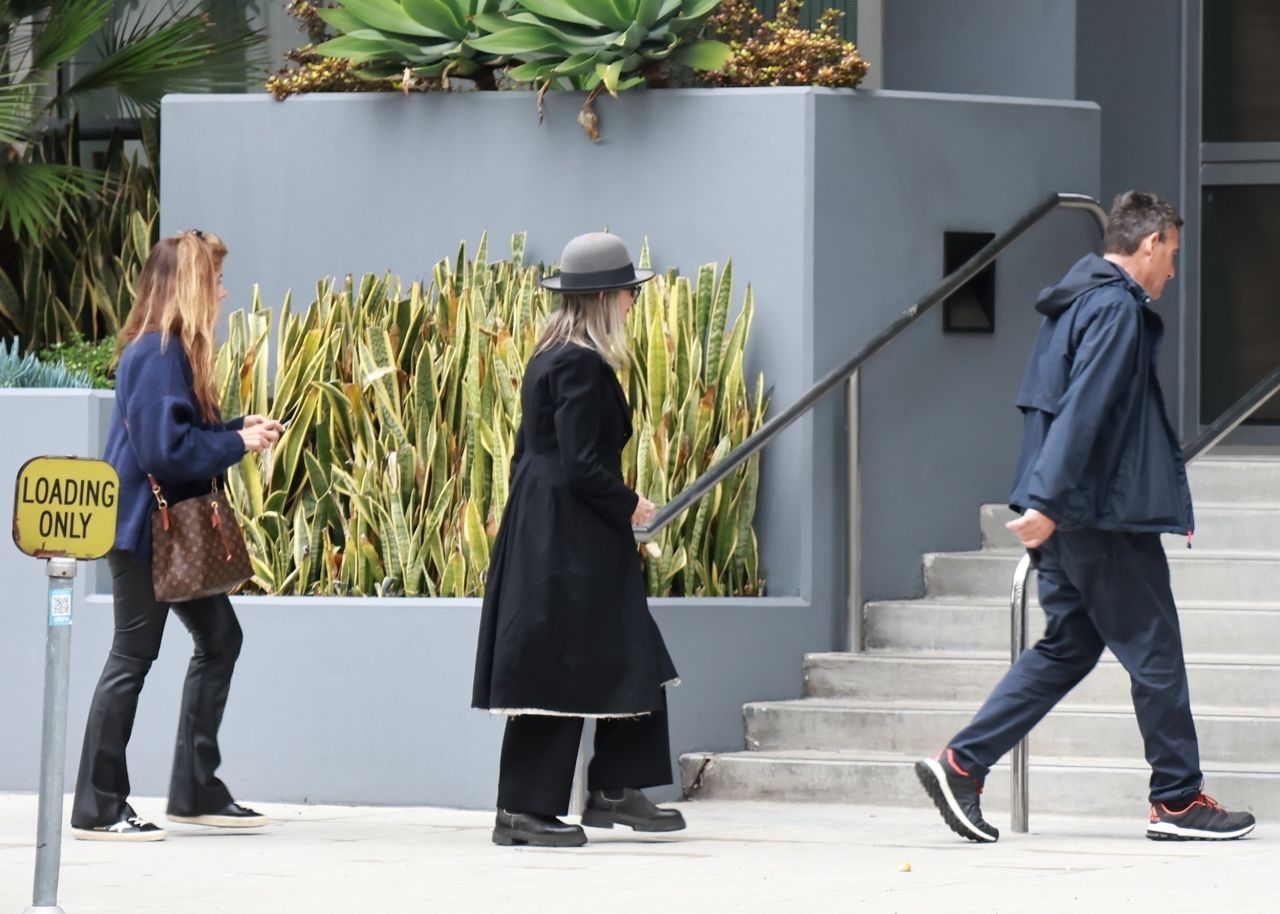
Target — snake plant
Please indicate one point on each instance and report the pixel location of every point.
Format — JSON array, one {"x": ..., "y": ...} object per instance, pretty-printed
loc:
[{"x": 404, "y": 402}]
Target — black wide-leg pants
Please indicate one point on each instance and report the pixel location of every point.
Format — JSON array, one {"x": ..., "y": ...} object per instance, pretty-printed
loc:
[
  {"x": 102, "y": 786},
  {"x": 539, "y": 753}
]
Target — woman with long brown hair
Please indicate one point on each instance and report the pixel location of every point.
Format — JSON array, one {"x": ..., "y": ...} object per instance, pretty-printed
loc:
[
  {"x": 166, "y": 424},
  {"x": 565, "y": 633}
]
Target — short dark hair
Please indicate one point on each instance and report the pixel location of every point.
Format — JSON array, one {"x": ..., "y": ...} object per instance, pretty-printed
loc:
[{"x": 1135, "y": 214}]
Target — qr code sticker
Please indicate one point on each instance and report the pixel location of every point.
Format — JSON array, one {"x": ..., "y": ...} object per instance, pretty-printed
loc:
[{"x": 60, "y": 607}]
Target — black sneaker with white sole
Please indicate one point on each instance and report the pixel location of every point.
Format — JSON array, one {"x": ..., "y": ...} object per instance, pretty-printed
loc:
[
  {"x": 1200, "y": 820},
  {"x": 233, "y": 816},
  {"x": 956, "y": 795},
  {"x": 131, "y": 827}
]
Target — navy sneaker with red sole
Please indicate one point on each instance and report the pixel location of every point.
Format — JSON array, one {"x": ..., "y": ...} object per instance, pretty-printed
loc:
[
  {"x": 956, "y": 794},
  {"x": 1200, "y": 820}
]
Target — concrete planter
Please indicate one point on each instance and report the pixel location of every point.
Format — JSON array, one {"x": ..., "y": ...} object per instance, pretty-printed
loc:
[
  {"x": 368, "y": 701},
  {"x": 343, "y": 700}
]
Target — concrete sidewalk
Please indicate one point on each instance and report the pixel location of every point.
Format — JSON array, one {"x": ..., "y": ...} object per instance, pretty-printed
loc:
[{"x": 734, "y": 857}]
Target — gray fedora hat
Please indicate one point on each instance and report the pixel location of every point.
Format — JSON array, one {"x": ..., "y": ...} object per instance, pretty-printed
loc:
[{"x": 596, "y": 262}]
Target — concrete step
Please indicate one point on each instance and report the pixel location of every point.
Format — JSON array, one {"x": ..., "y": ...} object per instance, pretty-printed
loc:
[
  {"x": 931, "y": 662},
  {"x": 1099, "y": 786},
  {"x": 1235, "y": 480},
  {"x": 1238, "y": 681},
  {"x": 1246, "y": 529},
  {"x": 973, "y": 625},
  {"x": 1196, "y": 575},
  {"x": 1227, "y": 735}
]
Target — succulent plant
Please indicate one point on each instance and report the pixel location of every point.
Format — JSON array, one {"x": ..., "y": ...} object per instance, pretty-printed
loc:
[
  {"x": 18, "y": 370},
  {"x": 597, "y": 45},
  {"x": 599, "y": 42},
  {"x": 392, "y": 475},
  {"x": 409, "y": 38}
]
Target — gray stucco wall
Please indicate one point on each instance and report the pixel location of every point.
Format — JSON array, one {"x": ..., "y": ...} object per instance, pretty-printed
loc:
[
  {"x": 41, "y": 422},
  {"x": 1131, "y": 63},
  {"x": 1127, "y": 57},
  {"x": 988, "y": 47},
  {"x": 939, "y": 432},
  {"x": 330, "y": 184}
]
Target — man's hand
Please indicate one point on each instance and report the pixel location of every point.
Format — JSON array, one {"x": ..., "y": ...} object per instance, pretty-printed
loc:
[{"x": 1032, "y": 528}]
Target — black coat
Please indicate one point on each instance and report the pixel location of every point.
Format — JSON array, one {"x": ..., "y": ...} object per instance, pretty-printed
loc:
[
  {"x": 566, "y": 627},
  {"x": 1097, "y": 447}
]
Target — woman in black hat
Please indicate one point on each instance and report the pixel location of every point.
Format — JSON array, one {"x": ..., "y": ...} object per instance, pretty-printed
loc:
[{"x": 565, "y": 632}]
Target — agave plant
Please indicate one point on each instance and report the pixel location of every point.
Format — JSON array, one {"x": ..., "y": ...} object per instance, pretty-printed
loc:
[
  {"x": 426, "y": 38},
  {"x": 594, "y": 42},
  {"x": 403, "y": 407},
  {"x": 18, "y": 370},
  {"x": 599, "y": 44}
]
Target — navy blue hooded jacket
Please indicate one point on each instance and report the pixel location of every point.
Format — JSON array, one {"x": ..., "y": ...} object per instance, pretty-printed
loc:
[
  {"x": 157, "y": 427},
  {"x": 1097, "y": 447}
]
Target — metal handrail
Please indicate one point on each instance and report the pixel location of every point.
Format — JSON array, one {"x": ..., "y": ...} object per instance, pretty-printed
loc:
[
  {"x": 1225, "y": 424},
  {"x": 1019, "y": 761},
  {"x": 756, "y": 441}
]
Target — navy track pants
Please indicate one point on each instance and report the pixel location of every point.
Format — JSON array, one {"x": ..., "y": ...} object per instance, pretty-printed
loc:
[{"x": 1099, "y": 589}]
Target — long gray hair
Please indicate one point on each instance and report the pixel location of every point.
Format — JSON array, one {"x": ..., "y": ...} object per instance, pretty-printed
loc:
[{"x": 591, "y": 319}]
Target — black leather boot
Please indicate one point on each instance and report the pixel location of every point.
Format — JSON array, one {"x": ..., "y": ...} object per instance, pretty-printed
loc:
[
  {"x": 512, "y": 828},
  {"x": 607, "y": 808}
]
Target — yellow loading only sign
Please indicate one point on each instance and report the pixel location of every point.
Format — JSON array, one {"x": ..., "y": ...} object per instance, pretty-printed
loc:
[{"x": 65, "y": 506}]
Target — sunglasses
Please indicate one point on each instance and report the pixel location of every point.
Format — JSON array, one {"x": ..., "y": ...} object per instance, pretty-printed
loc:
[{"x": 199, "y": 233}]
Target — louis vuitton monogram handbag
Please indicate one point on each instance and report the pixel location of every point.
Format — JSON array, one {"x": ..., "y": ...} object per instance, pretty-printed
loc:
[{"x": 197, "y": 548}]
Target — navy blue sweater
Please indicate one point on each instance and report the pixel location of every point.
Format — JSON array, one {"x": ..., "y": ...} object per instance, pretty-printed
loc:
[{"x": 157, "y": 427}]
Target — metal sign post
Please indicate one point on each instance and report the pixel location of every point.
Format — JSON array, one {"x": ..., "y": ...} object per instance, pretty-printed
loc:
[
  {"x": 53, "y": 741},
  {"x": 64, "y": 509}
]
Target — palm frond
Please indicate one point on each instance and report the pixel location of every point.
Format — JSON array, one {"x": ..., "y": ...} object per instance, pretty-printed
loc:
[
  {"x": 32, "y": 192},
  {"x": 17, "y": 113},
  {"x": 145, "y": 58},
  {"x": 71, "y": 23}
]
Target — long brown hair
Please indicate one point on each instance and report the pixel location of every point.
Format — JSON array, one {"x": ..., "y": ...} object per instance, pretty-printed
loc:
[{"x": 178, "y": 297}]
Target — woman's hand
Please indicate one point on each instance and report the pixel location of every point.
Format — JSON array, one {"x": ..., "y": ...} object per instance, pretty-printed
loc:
[
  {"x": 255, "y": 421},
  {"x": 644, "y": 512},
  {"x": 259, "y": 436}
]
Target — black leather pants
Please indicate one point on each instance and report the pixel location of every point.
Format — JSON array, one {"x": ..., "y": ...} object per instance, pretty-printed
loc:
[{"x": 102, "y": 787}]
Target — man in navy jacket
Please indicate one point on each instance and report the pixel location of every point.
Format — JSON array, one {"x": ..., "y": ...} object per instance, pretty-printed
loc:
[{"x": 1099, "y": 478}]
